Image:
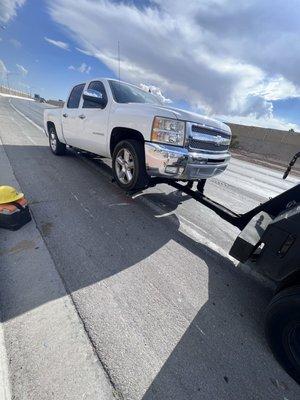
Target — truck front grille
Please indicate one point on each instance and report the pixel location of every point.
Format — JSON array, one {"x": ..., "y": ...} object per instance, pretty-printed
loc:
[
  {"x": 213, "y": 132},
  {"x": 201, "y": 138},
  {"x": 200, "y": 145}
]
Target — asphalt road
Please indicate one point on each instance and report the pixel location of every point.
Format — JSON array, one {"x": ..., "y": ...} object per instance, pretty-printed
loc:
[
  {"x": 32, "y": 109},
  {"x": 169, "y": 315}
]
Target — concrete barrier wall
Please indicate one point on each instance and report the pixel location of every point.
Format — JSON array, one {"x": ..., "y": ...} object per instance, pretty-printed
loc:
[
  {"x": 270, "y": 144},
  {"x": 57, "y": 103},
  {"x": 6, "y": 90}
]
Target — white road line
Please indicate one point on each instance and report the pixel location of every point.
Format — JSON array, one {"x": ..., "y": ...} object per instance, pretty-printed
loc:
[
  {"x": 24, "y": 116},
  {"x": 118, "y": 204},
  {"x": 24, "y": 133}
]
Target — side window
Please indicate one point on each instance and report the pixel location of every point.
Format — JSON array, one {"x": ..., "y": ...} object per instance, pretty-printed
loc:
[
  {"x": 96, "y": 85},
  {"x": 75, "y": 95}
]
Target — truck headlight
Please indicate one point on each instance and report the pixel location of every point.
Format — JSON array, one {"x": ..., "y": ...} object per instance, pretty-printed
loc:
[{"x": 167, "y": 130}]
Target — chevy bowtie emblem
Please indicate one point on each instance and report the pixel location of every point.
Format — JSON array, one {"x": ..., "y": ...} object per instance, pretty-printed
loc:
[{"x": 220, "y": 140}]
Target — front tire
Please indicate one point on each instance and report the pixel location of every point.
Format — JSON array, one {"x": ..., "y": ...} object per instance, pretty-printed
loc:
[
  {"x": 282, "y": 328},
  {"x": 128, "y": 163},
  {"x": 56, "y": 146}
]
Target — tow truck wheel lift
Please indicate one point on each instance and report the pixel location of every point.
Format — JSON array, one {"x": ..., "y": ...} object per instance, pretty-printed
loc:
[{"x": 270, "y": 238}]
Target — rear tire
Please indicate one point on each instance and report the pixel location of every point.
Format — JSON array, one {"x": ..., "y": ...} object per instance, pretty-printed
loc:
[
  {"x": 56, "y": 146},
  {"x": 128, "y": 163},
  {"x": 282, "y": 328}
]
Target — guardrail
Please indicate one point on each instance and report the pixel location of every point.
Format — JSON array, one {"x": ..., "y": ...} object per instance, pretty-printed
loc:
[{"x": 13, "y": 92}]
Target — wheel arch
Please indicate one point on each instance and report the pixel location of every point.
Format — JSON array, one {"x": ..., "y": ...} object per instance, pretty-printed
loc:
[
  {"x": 121, "y": 133},
  {"x": 49, "y": 125},
  {"x": 58, "y": 129}
]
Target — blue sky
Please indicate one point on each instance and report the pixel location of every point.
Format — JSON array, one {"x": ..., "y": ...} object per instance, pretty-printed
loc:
[
  {"x": 219, "y": 57},
  {"x": 47, "y": 64}
]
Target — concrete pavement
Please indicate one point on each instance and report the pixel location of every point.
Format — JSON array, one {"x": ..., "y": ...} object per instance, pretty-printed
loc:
[
  {"x": 168, "y": 314},
  {"x": 32, "y": 109},
  {"x": 5, "y": 391},
  {"x": 50, "y": 355}
]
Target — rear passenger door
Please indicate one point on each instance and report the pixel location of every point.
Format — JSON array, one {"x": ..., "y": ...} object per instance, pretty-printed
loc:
[
  {"x": 70, "y": 116},
  {"x": 95, "y": 121}
]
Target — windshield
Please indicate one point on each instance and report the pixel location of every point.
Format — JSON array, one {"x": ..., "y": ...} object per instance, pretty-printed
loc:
[{"x": 124, "y": 93}]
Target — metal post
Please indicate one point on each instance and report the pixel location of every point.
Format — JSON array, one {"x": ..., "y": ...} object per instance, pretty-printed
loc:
[
  {"x": 8, "y": 82},
  {"x": 119, "y": 61}
]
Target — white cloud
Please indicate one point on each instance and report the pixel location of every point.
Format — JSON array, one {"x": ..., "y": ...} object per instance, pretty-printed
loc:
[
  {"x": 3, "y": 70},
  {"x": 57, "y": 43},
  {"x": 156, "y": 92},
  {"x": 83, "y": 68},
  {"x": 276, "y": 88},
  {"x": 16, "y": 43},
  {"x": 223, "y": 57},
  {"x": 87, "y": 53},
  {"x": 8, "y": 9},
  {"x": 23, "y": 71}
]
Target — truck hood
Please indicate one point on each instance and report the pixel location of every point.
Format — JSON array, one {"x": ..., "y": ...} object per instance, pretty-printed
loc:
[
  {"x": 171, "y": 112},
  {"x": 199, "y": 119}
]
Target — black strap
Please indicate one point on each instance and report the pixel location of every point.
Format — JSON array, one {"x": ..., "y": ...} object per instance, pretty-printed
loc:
[{"x": 18, "y": 205}]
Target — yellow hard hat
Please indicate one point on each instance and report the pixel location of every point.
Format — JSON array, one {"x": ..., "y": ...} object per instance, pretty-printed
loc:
[{"x": 9, "y": 194}]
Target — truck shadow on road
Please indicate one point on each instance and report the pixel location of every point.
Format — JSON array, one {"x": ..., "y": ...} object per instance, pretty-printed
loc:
[
  {"x": 219, "y": 354},
  {"x": 94, "y": 232}
]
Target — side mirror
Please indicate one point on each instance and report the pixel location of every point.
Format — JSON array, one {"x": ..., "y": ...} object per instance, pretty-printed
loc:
[{"x": 94, "y": 96}]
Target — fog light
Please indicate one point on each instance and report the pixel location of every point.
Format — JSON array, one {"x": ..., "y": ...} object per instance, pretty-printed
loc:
[{"x": 171, "y": 170}]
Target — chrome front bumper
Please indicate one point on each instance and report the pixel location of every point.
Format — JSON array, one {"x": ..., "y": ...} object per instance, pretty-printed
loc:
[{"x": 181, "y": 164}]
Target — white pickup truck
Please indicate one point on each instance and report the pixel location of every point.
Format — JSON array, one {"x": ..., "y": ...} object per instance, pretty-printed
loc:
[{"x": 143, "y": 137}]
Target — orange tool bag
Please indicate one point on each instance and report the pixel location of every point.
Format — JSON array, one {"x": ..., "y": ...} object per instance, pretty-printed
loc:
[{"x": 14, "y": 214}]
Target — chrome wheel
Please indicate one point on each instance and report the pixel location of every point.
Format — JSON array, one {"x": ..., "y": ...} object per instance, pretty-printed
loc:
[
  {"x": 124, "y": 166},
  {"x": 53, "y": 141}
]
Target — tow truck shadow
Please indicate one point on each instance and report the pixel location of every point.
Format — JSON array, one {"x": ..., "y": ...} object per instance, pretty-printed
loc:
[
  {"x": 94, "y": 231},
  {"x": 218, "y": 353}
]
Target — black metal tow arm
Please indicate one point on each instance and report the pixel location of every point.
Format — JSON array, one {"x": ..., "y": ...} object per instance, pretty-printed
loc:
[
  {"x": 291, "y": 164},
  {"x": 273, "y": 206}
]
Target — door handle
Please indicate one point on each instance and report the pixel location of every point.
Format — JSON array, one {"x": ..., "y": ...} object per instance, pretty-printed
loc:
[
  {"x": 65, "y": 115},
  {"x": 82, "y": 116}
]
